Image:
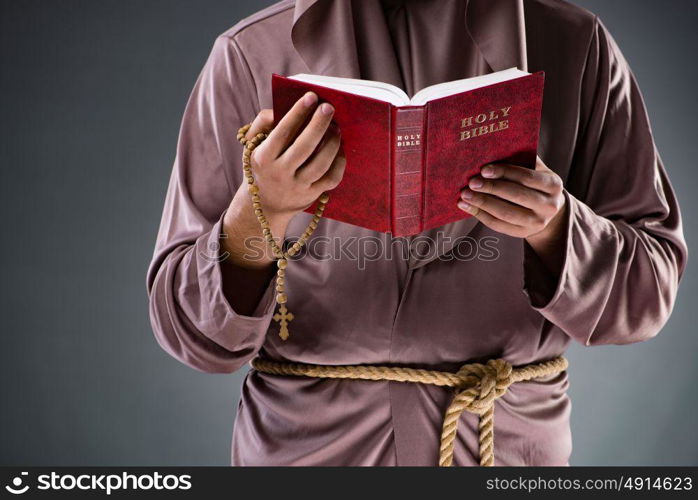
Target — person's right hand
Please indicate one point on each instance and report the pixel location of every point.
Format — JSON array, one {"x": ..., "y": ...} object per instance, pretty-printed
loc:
[{"x": 290, "y": 173}]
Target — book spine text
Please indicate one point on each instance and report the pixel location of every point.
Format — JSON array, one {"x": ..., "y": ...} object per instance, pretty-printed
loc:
[{"x": 407, "y": 148}]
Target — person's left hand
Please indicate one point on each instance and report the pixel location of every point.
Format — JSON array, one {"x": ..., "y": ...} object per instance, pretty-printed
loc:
[{"x": 518, "y": 201}]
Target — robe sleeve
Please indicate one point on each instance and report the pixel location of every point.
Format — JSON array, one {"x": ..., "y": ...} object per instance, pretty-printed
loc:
[
  {"x": 190, "y": 315},
  {"x": 624, "y": 247}
]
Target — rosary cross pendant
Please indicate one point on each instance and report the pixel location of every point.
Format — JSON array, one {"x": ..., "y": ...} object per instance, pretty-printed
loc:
[{"x": 284, "y": 316}]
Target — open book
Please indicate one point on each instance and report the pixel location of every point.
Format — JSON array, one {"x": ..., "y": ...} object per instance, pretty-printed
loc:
[{"x": 409, "y": 158}]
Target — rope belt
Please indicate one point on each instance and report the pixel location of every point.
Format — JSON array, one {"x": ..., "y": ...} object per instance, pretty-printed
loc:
[{"x": 478, "y": 386}]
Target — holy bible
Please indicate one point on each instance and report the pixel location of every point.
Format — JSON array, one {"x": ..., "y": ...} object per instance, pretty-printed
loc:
[{"x": 407, "y": 159}]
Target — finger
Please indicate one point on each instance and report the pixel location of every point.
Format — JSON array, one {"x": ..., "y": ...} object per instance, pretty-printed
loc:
[
  {"x": 502, "y": 209},
  {"x": 334, "y": 174},
  {"x": 542, "y": 179},
  {"x": 310, "y": 136},
  {"x": 510, "y": 191},
  {"x": 321, "y": 160},
  {"x": 285, "y": 131},
  {"x": 263, "y": 122},
  {"x": 491, "y": 221}
]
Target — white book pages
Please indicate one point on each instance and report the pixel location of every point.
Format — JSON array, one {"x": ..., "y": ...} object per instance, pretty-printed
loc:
[{"x": 390, "y": 93}]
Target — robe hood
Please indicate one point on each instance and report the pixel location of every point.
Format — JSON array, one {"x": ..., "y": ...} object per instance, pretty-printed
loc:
[{"x": 323, "y": 34}]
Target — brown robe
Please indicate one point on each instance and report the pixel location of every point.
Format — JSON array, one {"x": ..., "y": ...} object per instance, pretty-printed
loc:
[{"x": 624, "y": 252}]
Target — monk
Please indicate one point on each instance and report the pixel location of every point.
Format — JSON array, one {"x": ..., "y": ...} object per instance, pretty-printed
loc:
[{"x": 588, "y": 247}]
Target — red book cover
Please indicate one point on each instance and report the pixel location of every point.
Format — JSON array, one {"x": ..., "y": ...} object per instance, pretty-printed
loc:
[{"x": 406, "y": 165}]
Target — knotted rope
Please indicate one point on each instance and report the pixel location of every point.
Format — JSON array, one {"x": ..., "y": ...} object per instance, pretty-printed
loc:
[{"x": 477, "y": 387}]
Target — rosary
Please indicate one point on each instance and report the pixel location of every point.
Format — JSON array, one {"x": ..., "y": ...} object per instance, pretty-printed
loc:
[{"x": 284, "y": 316}]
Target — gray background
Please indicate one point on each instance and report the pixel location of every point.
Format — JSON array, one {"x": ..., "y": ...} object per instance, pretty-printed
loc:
[{"x": 92, "y": 94}]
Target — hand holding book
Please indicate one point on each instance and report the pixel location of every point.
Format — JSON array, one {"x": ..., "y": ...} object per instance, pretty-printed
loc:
[
  {"x": 289, "y": 182},
  {"x": 301, "y": 159},
  {"x": 523, "y": 203}
]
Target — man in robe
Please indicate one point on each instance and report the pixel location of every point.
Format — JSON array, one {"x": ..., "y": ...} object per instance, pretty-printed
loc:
[{"x": 601, "y": 266}]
